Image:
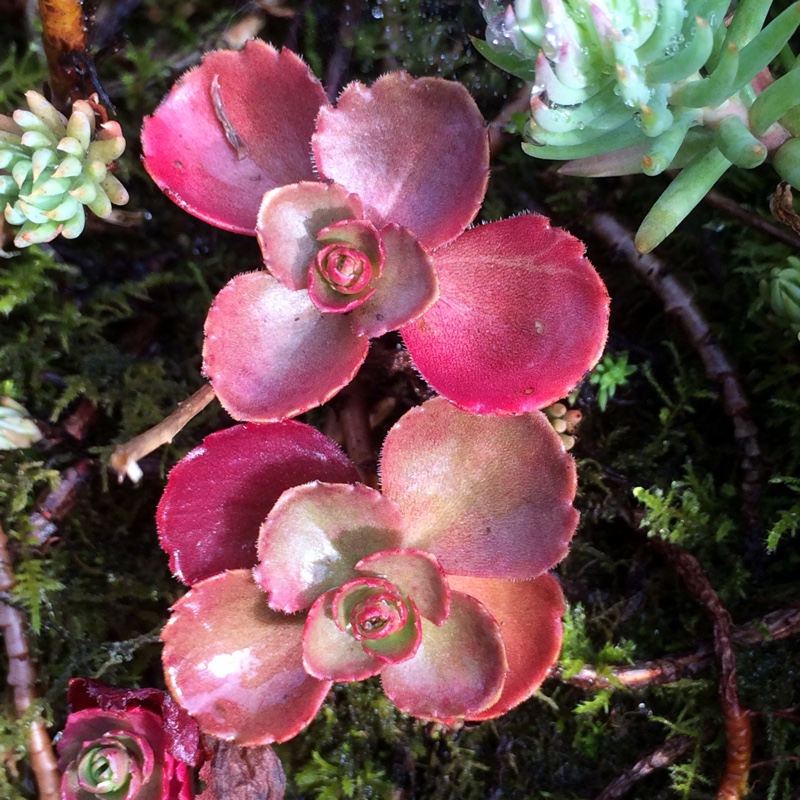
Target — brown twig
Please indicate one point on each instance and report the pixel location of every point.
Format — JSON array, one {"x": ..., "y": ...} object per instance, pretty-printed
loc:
[
  {"x": 65, "y": 42},
  {"x": 58, "y": 502},
  {"x": 723, "y": 203},
  {"x": 678, "y": 300},
  {"x": 22, "y": 678},
  {"x": 353, "y": 417},
  {"x": 668, "y": 753},
  {"x": 337, "y": 65},
  {"x": 773, "y": 626},
  {"x": 498, "y": 138},
  {"x": 738, "y": 731},
  {"x": 125, "y": 456}
]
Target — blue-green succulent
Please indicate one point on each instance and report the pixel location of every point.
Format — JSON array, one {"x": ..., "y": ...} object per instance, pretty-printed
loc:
[
  {"x": 53, "y": 168},
  {"x": 782, "y": 292},
  {"x": 620, "y": 87}
]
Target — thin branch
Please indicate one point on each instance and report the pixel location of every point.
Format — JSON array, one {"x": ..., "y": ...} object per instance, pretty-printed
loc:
[
  {"x": 772, "y": 627},
  {"x": 668, "y": 753},
  {"x": 723, "y": 203},
  {"x": 678, "y": 300},
  {"x": 57, "y": 503},
  {"x": 353, "y": 417},
  {"x": 65, "y": 41},
  {"x": 738, "y": 730},
  {"x": 125, "y": 457},
  {"x": 498, "y": 138},
  {"x": 22, "y": 679}
]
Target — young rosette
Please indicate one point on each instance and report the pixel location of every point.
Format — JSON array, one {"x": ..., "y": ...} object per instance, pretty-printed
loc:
[
  {"x": 126, "y": 744},
  {"x": 361, "y": 213},
  {"x": 301, "y": 576},
  {"x": 52, "y": 167}
]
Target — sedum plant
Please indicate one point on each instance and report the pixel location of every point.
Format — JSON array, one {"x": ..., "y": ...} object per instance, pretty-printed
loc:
[
  {"x": 782, "y": 292},
  {"x": 53, "y": 168},
  {"x": 622, "y": 87},
  {"x": 300, "y": 576},
  {"x": 361, "y": 213},
  {"x": 17, "y": 428},
  {"x": 126, "y": 744}
]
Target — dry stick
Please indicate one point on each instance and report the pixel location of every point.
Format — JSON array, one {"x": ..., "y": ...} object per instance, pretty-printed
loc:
[
  {"x": 353, "y": 416},
  {"x": 772, "y": 627},
  {"x": 668, "y": 753},
  {"x": 58, "y": 502},
  {"x": 21, "y": 678},
  {"x": 678, "y": 300},
  {"x": 498, "y": 138},
  {"x": 65, "y": 42},
  {"x": 738, "y": 731},
  {"x": 125, "y": 456},
  {"x": 757, "y": 223}
]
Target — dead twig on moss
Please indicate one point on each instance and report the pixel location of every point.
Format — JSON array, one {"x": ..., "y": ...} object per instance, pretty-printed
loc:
[
  {"x": 723, "y": 203},
  {"x": 678, "y": 300},
  {"x": 738, "y": 731},
  {"x": 124, "y": 459},
  {"x": 668, "y": 753},
  {"x": 58, "y": 502},
  {"x": 66, "y": 42},
  {"x": 353, "y": 415},
  {"x": 22, "y": 678}
]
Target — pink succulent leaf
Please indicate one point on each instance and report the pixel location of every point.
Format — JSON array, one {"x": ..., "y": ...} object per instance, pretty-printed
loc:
[
  {"x": 112, "y": 754},
  {"x": 529, "y": 614},
  {"x": 375, "y": 613},
  {"x": 415, "y": 151},
  {"x": 407, "y": 288},
  {"x": 289, "y": 219},
  {"x": 458, "y": 670},
  {"x": 416, "y": 574},
  {"x": 507, "y": 510},
  {"x": 269, "y": 352},
  {"x": 522, "y": 315},
  {"x": 236, "y": 666},
  {"x": 219, "y": 494},
  {"x": 232, "y": 129},
  {"x": 314, "y": 537},
  {"x": 330, "y": 653}
]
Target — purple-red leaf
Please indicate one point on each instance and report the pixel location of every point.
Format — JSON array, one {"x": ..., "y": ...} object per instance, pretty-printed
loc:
[
  {"x": 236, "y": 666},
  {"x": 529, "y": 614},
  {"x": 231, "y": 129},
  {"x": 314, "y": 537},
  {"x": 269, "y": 352},
  {"x": 289, "y": 220},
  {"x": 220, "y": 493},
  {"x": 522, "y": 315},
  {"x": 458, "y": 670},
  {"x": 407, "y": 288},
  {"x": 488, "y": 496},
  {"x": 415, "y": 151},
  {"x": 416, "y": 574}
]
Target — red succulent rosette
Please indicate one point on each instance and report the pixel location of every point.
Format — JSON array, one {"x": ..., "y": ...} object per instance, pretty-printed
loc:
[
  {"x": 301, "y": 576},
  {"x": 361, "y": 212},
  {"x": 126, "y": 744}
]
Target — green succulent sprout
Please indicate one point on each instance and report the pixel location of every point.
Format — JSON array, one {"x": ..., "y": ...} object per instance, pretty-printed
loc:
[
  {"x": 621, "y": 87},
  {"x": 52, "y": 168},
  {"x": 782, "y": 292}
]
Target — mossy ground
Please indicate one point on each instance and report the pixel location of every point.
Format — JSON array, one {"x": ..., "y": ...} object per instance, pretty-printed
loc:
[{"x": 115, "y": 319}]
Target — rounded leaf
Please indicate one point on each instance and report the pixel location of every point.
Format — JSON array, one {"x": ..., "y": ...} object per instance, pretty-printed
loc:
[
  {"x": 314, "y": 537},
  {"x": 231, "y": 129},
  {"x": 522, "y": 315},
  {"x": 488, "y": 496},
  {"x": 458, "y": 670},
  {"x": 529, "y": 614},
  {"x": 415, "y": 151},
  {"x": 219, "y": 494},
  {"x": 271, "y": 354},
  {"x": 236, "y": 666}
]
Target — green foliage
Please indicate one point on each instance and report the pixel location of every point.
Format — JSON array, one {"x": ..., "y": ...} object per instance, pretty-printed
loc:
[
  {"x": 20, "y": 70},
  {"x": 610, "y": 374},
  {"x": 788, "y": 521},
  {"x": 326, "y": 781}
]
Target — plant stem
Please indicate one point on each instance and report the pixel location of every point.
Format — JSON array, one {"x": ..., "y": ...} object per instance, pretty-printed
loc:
[
  {"x": 678, "y": 300},
  {"x": 125, "y": 456},
  {"x": 65, "y": 40},
  {"x": 22, "y": 678}
]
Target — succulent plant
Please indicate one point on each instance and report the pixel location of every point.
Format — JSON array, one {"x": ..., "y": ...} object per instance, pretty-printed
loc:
[
  {"x": 782, "y": 292},
  {"x": 17, "y": 428},
  {"x": 126, "y": 744},
  {"x": 52, "y": 168},
  {"x": 622, "y": 87},
  {"x": 301, "y": 576},
  {"x": 501, "y": 318}
]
